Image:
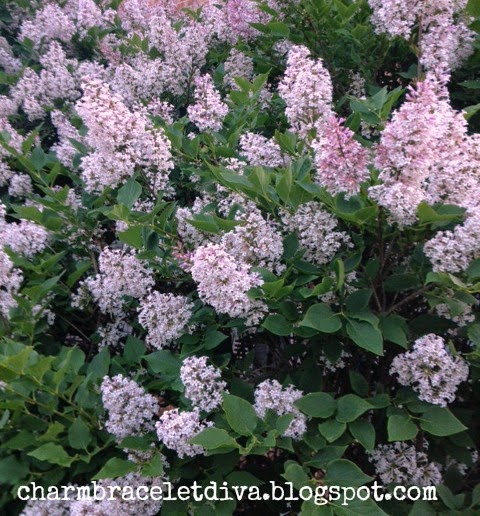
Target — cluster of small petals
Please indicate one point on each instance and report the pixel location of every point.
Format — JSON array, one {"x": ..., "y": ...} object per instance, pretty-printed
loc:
[
  {"x": 10, "y": 281},
  {"x": 270, "y": 395},
  {"x": 176, "y": 428},
  {"x": 119, "y": 502},
  {"x": 237, "y": 65},
  {"x": 445, "y": 39},
  {"x": 64, "y": 149},
  {"x": 131, "y": 411},
  {"x": 49, "y": 23},
  {"x": 26, "y": 238},
  {"x": 431, "y": 370},
  {"x": 121, "y": 140},
  {"x": 165, "y": 317},
  {"x": 460, "y": 313},
  {"x": 340, "y": 161},
  {"x": 112, "y": 333},
  {"x": 8, "y": 61},
  {"x": 208, "y": 111},
  {"x": 222, "y": 281},
  {"x": 188, "y": 233},
  {"x": 47, "y": 508},
  {"x": 202, "y": 382},
  {"x": 316, "y": 231},
  {"x": 35, "y": 92},
  {"x": 452, "y": 251},
  {"x": 120, "y": 274},
  {"x": 260, "y": 151},
  {"x": 255, "y": 241},
  {"x": 401, "y": 463},
  {"x": 307, "y": 90}
]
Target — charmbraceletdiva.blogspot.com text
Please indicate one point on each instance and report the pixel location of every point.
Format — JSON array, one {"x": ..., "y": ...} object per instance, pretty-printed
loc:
[{"x": 319, "y": 494}]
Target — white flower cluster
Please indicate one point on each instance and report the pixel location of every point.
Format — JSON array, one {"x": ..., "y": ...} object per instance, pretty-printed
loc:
[
  {"x": 120, "y": 274},
  {"x": 307, "y": 90},
  {"x": 223, "y": 282},
  {"x": 401, "y": 463},
  {"x": 165, "y": 317},
  {"x": 25, "y": 238},
  {"x": 452, "y": 251},
  {"x": 269, "y": 395},
  {"x": 176, "y": 428},
  {"x": 121, "y": 141},
  {"x": 202, "y": 382},
  {"x": 260, "y": 151},
  {"x": 10, "y": 280},
  {"x": 255, "y": 241},
  {"x": 316, "y": 230},
  {"x": 118, "y": 505},
  {"x": 47, "y": 508},
  {"x": 237, "y": 65},
  {"x": 34, "y": 92},
  {"x": 208, "y": 111},
  {"x": 131, "y": 410},
  {"x": 431, "y": 370}
]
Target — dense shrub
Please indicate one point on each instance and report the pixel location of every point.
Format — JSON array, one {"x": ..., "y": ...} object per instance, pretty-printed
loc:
[{"x": 240, "y": 244}]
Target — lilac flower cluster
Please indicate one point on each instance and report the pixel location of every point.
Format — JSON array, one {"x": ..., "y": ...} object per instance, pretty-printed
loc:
[
  {"x": 176, "y": 428},
  {"x": 165, "y": 317},
  {"x": 131, "y": 411},
  {"x": 401, "y": 463},
  {"x": 431, "y": 370},
  {"x": 270, "y": 395},
  {"x": 202, "y": 382},
  {"x": 208, "y": 111}
]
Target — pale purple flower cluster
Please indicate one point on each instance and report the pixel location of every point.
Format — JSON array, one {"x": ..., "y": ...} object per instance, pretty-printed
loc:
[
  {"x": 208, "y": 111},
  {"x": 49, "y": 23},
  {"x": 270, "y": 395},
  {"x": 452, "y": 251},
  {"x": 203, "y": 384},
  {"x": 237, "y": 64},
  {"x": 260, "y": 151},
  {"x": 10, "y": 280},
  {"x": 317, "y": 232},
  {"x": 127, "y": 505},
  {"x": 306, "y": 88},
  {"x": 444, "y": 37},
  {"x": 37, "y": 91},
  {"x": 165, "y": 317},
  {"x": 131, "y": 411},
  {"x": 121, "y": 140},
  {"x": 341, "y": 161},
  {"x": 120, "y": 274},
  {"x": 255, "y": 241},
  {"x": 47, "y": 508},
  {"x": 176, "y": 428},
  {"x": 223, "y": 282},
  {"x": 8, "y": 61},
  {"x": 401, "y": 463},
  {"x": 431, "y": 370}
]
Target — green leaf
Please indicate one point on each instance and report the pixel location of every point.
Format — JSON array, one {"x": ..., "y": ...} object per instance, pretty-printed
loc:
[
  {"x": 240, "y": 414},
  {"x": 79, "y": 435},
  {"x": 132, "y": 237},
  {"x": 213, "y": 339},
  {"x": 295, "y": 474},
  {"x": 473, "y": 8},
  {"x": 129, "y": 193},
  {"x": 316, "y": 404},
  {"x": 350, "y": 407},
  {"x": 365, "y": 335},
  {"x": 52, "y": 453},
  {"x": 12, "y": 470},
  {"x": 394, "y": 329},
  {"x": 401, "y": 428},
  {"x": 321, "y": 318},
  {"x": 440, "y": 421},
  {"x": 278, "y": 325},
  {"x": 343, "y": 473},
  {"x": 332, "y": 429},
  {"x": 115, "y": 468},
  {"x": 358, "y": 383},
  {"x": 364, "y": 432},
  {"x": 213, "y": 438}
]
